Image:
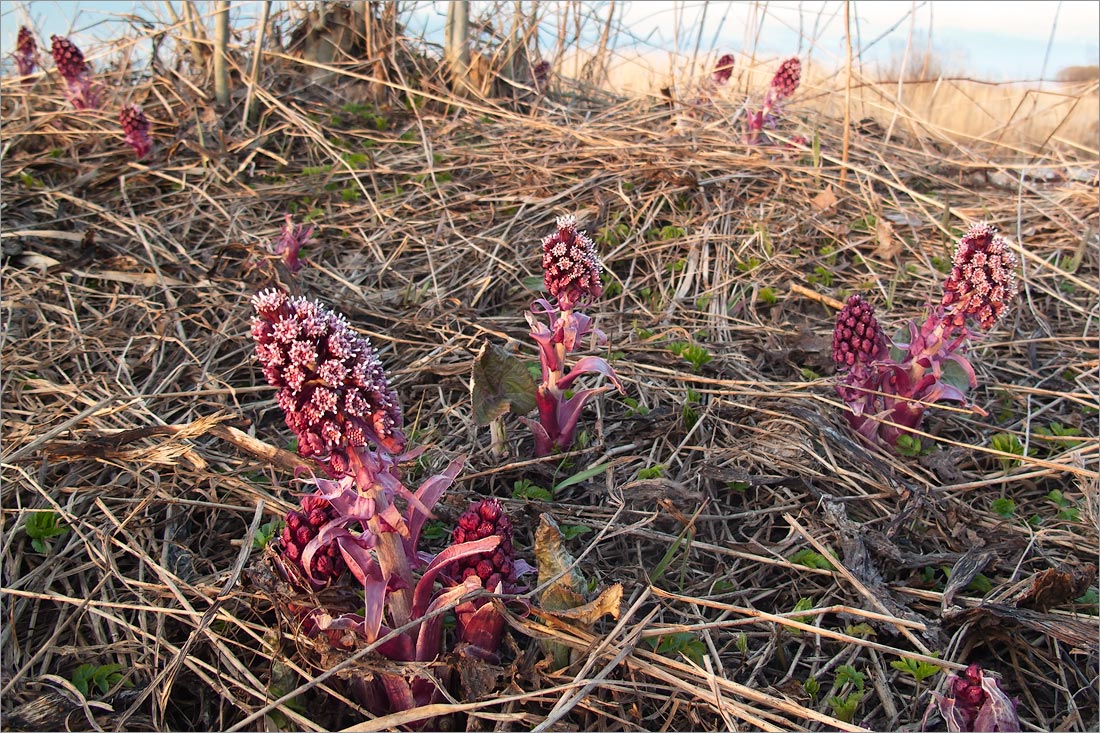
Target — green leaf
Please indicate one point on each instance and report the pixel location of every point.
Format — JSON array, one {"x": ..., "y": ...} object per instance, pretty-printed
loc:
[
  {"x": 955, "y": 375},
  {"x": 681, "y": 642},
  {"x": 811, "y": 559},
  {"x": 573, "y": 531},
  {"x": 42, "y": 525},
  {"x": 908, "y": 445},
  {"x": 583, "y": 475},
  {"x": 1003, "y": 507},
  {"x": 501, "y": 383},
  {"x": 524, "y": 489},
  {"x": 848, "y": 673}
]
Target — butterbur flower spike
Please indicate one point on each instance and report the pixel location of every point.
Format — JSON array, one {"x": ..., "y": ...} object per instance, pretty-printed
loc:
[
  {"x": 135, "y": 127},
  {"x": 982, "y": 282},
  {"x": 480, "y": 625},
  {"x": 857, "y": 337},
  {"x": 882, "y": 385},
  {"x": 74, "y": 70},
  {"x": 974, "y": 701},
  {"x": 571, "y": 268},
  {"x": 332, "y": 387},
  {"x": 723, "y": 70},
  {"x": 541, "y": 74},
  {"x": 786, "y": 79},
  {"x": 26, "y": 53}
]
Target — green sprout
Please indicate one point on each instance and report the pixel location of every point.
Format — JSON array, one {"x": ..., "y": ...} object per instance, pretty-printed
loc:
[
  {"x": 103, "y": 677},
  {"x": 41, "y": 526}
]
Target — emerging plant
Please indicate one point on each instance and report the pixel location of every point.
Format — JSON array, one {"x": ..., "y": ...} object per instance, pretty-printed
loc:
[
  {"x": 337, "y": 399},
  {"x": 135, "y": 127},
  {"x": 26, "y": 53},
  {"x": 974, "y": 701},
  {"x": 540, "y": 73},
  {"x": 41, "y": 526},
  {"x": 69, "y": 59},
  {"x": 888, "y": 388},
  {"x": 290, "y": 242},
  {"x": 571, "y": 274},
  {"x": 782, "y": 87}
]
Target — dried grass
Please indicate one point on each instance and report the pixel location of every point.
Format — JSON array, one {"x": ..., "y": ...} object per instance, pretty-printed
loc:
[{"x": 130, "y": 398}]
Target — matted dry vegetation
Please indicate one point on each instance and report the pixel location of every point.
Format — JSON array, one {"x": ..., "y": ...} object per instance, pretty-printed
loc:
[{"x": 129, "y": 390}]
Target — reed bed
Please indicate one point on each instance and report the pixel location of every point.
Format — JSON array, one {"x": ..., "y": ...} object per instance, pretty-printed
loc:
[{"x": 763, "y": 548}]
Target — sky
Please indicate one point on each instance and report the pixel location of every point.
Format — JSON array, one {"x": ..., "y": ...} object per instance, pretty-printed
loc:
[{"x": 994, "y": 41}]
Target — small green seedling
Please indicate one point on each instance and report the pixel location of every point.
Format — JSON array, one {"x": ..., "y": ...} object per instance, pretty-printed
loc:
[
  {"x": 811, "y": 559},
  {"x": 1007, "y": 443},
  {"x": 266, "y": 533},
  {"x": 1066, "y": 509},
  {"x": 103, "y": 677},
  {"x": 1003, "y": 507},
  {"x": 651, "y": 472},
  {"x": 524, "y": 489},
  {"x": 811, "y": 687},
  {"x": 844, "y": 706},
  {"x": 41, "y": 526}
]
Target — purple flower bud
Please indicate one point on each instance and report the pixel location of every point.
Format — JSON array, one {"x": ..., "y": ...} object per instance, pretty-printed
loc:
[
  {"x": 290, "y": 242},
  {"x": 332, "y": 387},
  {"x": 786, "y": 79},
  {"x": 723, "y": 70},
  {"x": 541, "y": 73},
  {"x": 982, "y": 282},
  {"x": 74, "y": 70},
  {"x": 496, "y": 569},
  {"x": 857, "y": 337},
  {"x": 26, "y": 51},
  {"x": 302, "y": 526},
  {"x": 135, "y": 126},
  {"x": 974, "y": 701},
  {"x": 571, "y": 269}
]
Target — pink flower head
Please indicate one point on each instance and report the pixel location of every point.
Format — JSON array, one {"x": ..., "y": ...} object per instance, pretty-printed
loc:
[
  {"x": 290, "y": 242},
  {"x": 74, "y": 70},
  {"x": 786, "y": 79},
  {"x": 983, "y": 279},
  {"x": 327, "y": 564},
  {"x": 497, "y": 569},
  {"x": 26, "y": 51},
  {"x": 332, "y": 387},
  {"x": 571, "y": 269},
  {"x": 975, "y": 702},
  {"x": 135, "y": 126},
  {"x": 723, "y": 70},
  {"x": 857, "y": 337}
]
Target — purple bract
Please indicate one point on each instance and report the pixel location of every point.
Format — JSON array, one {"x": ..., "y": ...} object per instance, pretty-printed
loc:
[{"x": 135, "y": 126}]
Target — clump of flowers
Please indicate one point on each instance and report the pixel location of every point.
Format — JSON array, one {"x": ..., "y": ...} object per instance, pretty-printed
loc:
[
  {"x": 135, "y": 128},
  {"x": 69, "y": 59},
  {"x": 362, "y": 523},
  {"x": 571, "y": 274},
  {"x": 783, "y": 86},
  {"x": 888, "y": 387},
  {"x": 26, "y": 53},
  {"x": 974, "y": 701}
]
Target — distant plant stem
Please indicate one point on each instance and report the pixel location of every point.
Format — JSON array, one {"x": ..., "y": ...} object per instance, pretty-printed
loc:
[
  {"x": 847, "y": 93},
  {"x": 221, "y": 45},
  {"x": 257, "y": 51}
]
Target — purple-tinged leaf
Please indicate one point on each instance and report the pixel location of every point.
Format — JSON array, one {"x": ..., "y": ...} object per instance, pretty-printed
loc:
[
  {"x": 590, "y": 365},
  {"x": 423, "y": 593}
]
